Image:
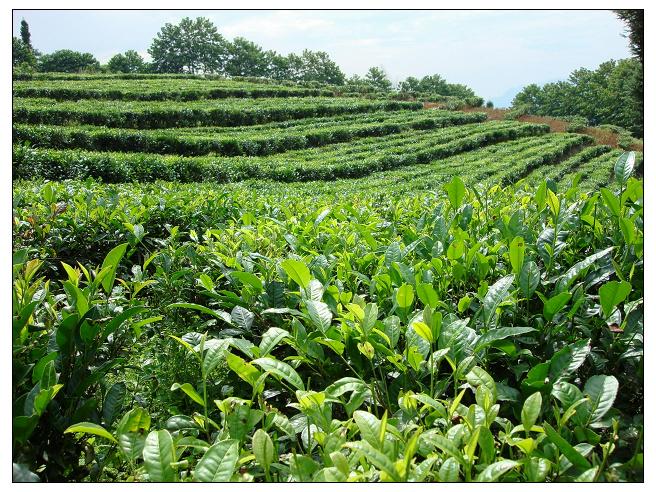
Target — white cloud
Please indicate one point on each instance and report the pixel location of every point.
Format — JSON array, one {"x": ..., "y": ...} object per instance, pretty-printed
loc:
[{"x": 277, "y": 24}]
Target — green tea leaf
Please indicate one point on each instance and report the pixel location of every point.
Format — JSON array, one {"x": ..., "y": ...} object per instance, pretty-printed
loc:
[
  {"x": 495, "y": 295},
  {"x": 297, "y": 271},
  {"x": 218, "y": 463},
  {"x": 319, "y": 314},
  {"x": 612, "y": 293},
  {"x": 158, "y": 454},
  {"x": 516, "y": 253},
  {"x": 555, "y": 304},
  {"x": 282, "y": 370},
  {"x": 531, "y": 410},
  {"x": 189, "y": 390},
  {"x": 427, "y": 295},
  {"x": 405, "y": 296},
  {"x": 90, "y": 428},
  {"x": 456, "y": 191},
  {"x": 566, "y": 448},
  {"x": 624, "y": 167},
  {"x": 112, "y": 260},
  {"x": 493, "y": 472}
]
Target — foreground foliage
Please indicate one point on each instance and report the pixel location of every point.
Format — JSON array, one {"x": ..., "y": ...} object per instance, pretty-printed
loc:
[{"x": 465, "y": 334}]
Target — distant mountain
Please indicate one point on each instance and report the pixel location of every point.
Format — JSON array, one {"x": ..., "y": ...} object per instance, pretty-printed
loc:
[{"x": 505, "y": 99}]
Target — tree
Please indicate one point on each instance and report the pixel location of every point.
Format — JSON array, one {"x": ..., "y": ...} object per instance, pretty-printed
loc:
[
  {"x": 606, "y": 95},
  {"x": 634, "y": 20},
  {"x": 128, "y": 62},
  {"x": 246, "y": 59},
  {"x": 21, "y": 55},
  {"x": 67, "y": 61},
  {"x": 191, "y": 46},
  {"x": 411, "y": 84},
  {"x": 25, "y": 34},
  {"x": 278, "y": 66},
  {"x": 317, "y": 66},
  {"x": 378, "y": 79}
]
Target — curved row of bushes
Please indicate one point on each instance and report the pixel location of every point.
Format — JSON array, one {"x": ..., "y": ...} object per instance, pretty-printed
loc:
[
  {"x": 31, "y": 163},
  {"x": 149, "y": 115},
  {"x": 252, "y": 143}
]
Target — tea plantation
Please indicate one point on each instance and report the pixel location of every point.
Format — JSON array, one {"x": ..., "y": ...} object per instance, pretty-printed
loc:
[{"x": 233, "y": 280}]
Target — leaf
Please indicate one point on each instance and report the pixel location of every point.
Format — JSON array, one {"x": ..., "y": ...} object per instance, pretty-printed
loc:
[
  {"x": 158, "y": 454},
  {"x": 282, "y": 370},
  {"x": 214, "y": 354},
  {"x": 90, "y": 428},
  {"x": 566, "y": 448},
  {"x": 628, "y": 230},
  {"x": 132, "y": 445},
  {"x": 135, "y": 420},
  {"x": 495, "y": 295},
  {"x": 244, "y": 369},
  {"x": 624, "y": 167},
  {"x": 369, "y": 427},
  {"x": 555, "y": 304},
  {"x": 602, "y": 391},
  {"x": 242, "y": 317},
  {"x": 529, "y": 279},
  {"x": 112, "y": 260},
  {"x": 427, "y": 295},
  {"x": 568, "y": 359},
  {"x": 516, "y": 253},
  {"x": 456, "y": 191},
  {"x": 423, "y": 330},
  {"x": 188, "y": 305},
  {"x": 553, "y": 203},
  {"x": 611, "y": 201},
  {"x": 189, "y": 391},
  {"x": 447, "y": 446},
  {"x": 500, "y": 334},
  {"x": 369, "y": 317},
  {"x": 263, "y": 448},
  {"x": 393, "y": 254},
  {"x": 566, "y": 280},
  {"x": 297, "y": 271},
  {"x": 531, "y": 410},
  {"x": 456, "y": 249},
  {"x": 248, "y": 278},
  {"x": 113, "y": 402},
  {"x": 319, "y": 314},
  {"x": 405, "y": 296},
  {"x": 218, "y": 463},
  {"x": 378, "y": 459},
  {"x": 449, "y": 471},
  {"x": 272, "y": 337},
  {"x": 611, "y": 294},
  {"x": 493, "y": 472}
]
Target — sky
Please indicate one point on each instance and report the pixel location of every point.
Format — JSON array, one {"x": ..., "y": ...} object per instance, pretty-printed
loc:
[{"x": 495, "y": 53}]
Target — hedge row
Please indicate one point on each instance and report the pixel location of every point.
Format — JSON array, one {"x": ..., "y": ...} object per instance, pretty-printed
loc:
[
  {"x": 68, "y": 93},
  {"x": 252, "y": 143},
  {"x": 154, "y": 115},
  {"x": 29, "y": 163}
]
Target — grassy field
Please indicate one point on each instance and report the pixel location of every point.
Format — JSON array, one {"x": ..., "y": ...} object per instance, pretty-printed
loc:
[{"x": 222, "y": 280}]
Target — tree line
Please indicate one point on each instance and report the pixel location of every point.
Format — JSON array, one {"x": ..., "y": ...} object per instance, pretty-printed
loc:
[
  {"x": 613, "y": 94},
  {"x": 196, "y": 46}
]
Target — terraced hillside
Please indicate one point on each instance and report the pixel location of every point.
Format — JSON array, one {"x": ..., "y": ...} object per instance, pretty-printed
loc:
[
  {"x": 224, "y": 280},
  {"x": 124, "y": 122}
]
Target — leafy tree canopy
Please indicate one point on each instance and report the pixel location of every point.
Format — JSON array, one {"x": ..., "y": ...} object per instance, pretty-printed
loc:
[
  {"x": 128, "y": 62},
  {"x": 192, "y": 46},
  {"x": 67, "y": 61},
  {"x": 606, "y": 95}
]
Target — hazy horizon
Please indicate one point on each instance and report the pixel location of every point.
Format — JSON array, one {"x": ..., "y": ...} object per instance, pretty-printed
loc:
[{"x": 498, "y": 52}]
